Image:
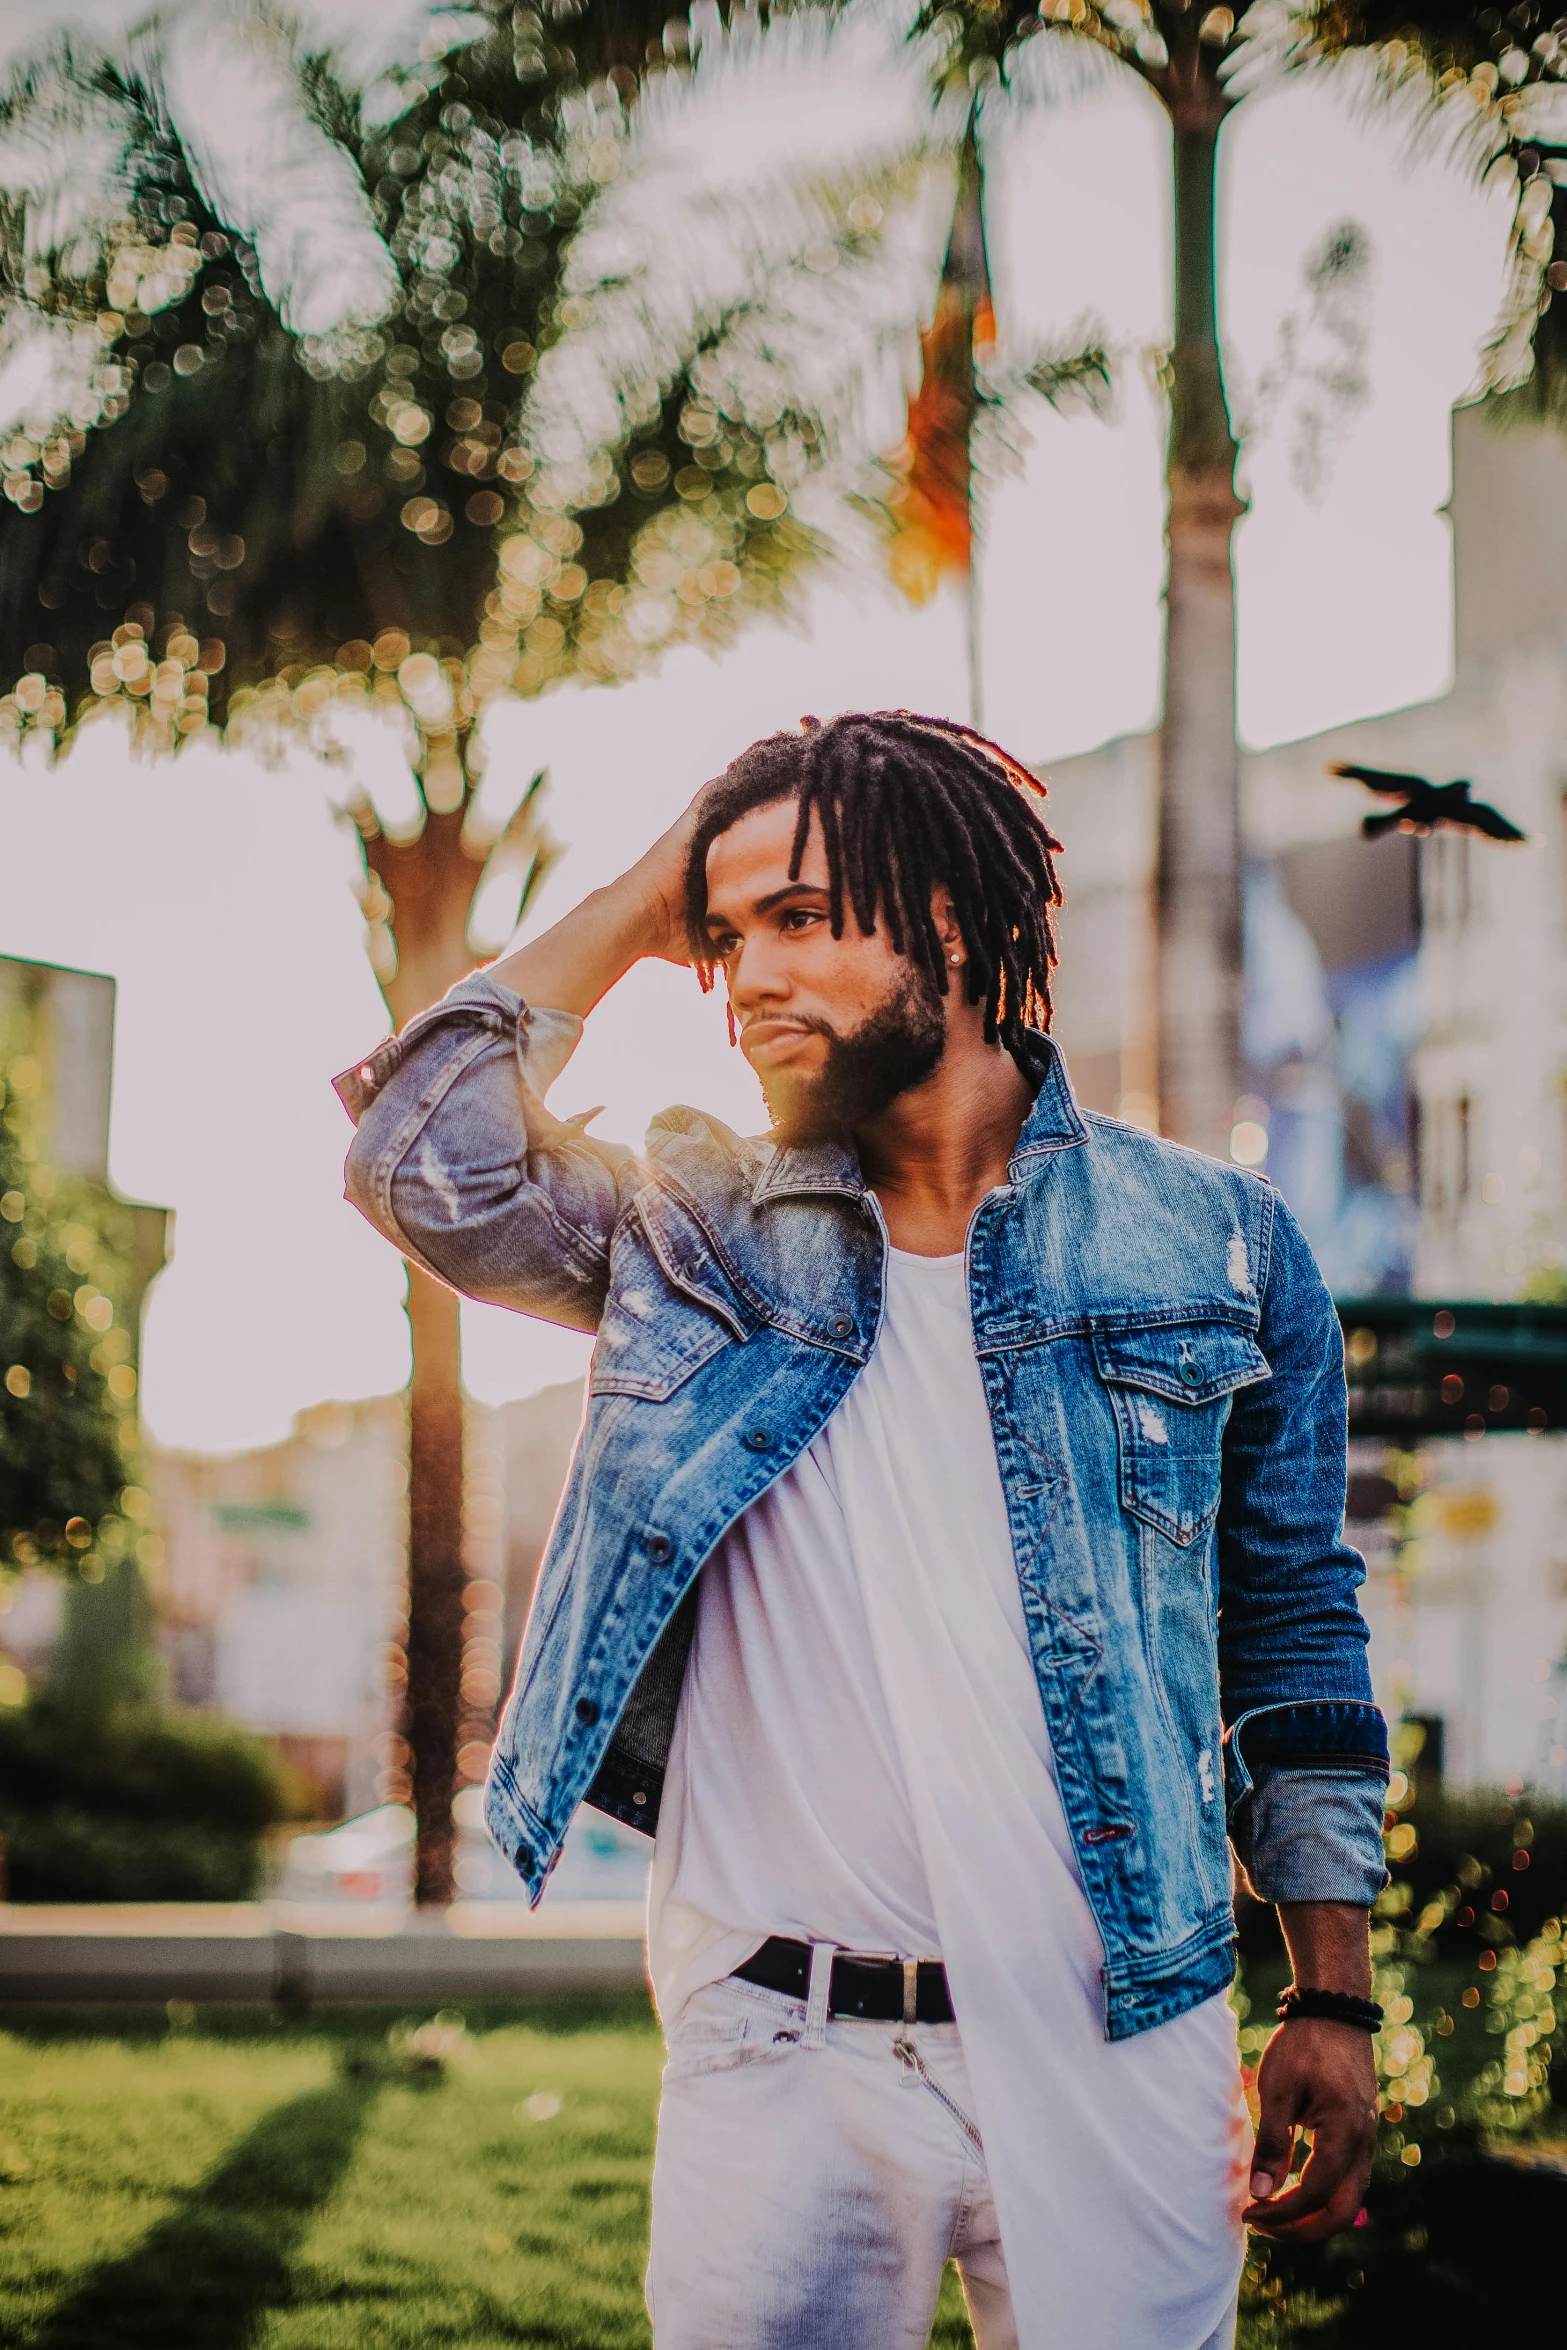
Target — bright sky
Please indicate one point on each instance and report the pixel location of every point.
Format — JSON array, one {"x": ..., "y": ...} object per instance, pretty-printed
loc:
[{"x": 217, "y": 892}]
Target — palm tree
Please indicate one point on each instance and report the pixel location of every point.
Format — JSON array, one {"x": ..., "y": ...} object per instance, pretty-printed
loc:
[
  {"x": 859, "y": 107},
  {"x": 269, "y": 301}
]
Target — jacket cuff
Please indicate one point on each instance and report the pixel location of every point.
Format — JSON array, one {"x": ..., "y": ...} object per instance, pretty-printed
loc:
[
  {"x": 1347, "y": 1734},
  {"x": 546, "y": 1039},
  {"x": 1312, "y": 1836}
]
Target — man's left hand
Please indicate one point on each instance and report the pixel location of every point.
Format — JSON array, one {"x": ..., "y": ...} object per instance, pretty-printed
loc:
[{"x": 1318, "y": 2076}]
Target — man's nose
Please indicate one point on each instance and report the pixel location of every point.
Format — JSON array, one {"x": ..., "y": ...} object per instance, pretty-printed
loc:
[{"x": 759, "y": 975}]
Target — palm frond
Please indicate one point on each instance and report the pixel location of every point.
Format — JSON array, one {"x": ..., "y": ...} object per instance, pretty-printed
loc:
[
  {"x": 515, "y": 868},
  {"x": 1317, "y": 376},
  {"x": 1076, "y": 377},
  {"x": 1494, "y": 97},
  {"x": 237, "y": 524},
  {"x": 66, "y": 172},
  {"x": 269, "y": 170},
  {"x": 364, "y": 42},
  {"x": 1061, "y": 62},
  {"x": 94, "y": 100},
  {"x": 774, "y": 236},
  {"x": 779, "y": 210},
  {"x": 51, "y": 368},
  {"x": 254, "y": 525}
]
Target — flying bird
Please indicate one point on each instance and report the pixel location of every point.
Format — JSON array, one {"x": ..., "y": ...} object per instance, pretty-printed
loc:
[{"x": 1427, "y": 805}]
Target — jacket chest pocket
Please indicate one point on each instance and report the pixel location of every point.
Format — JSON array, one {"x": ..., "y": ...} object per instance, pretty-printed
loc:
[
  {"x": 665, "y": 1313},
  {"x": 1170, "y": 1389},
  {"x": 630, "y": 1357}
]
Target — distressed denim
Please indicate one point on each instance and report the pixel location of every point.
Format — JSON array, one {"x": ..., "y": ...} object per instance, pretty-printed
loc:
[{"x": 1166, "y": 1386}]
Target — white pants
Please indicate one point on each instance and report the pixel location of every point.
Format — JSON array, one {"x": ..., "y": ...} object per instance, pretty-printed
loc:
[{"x": 810, "y": 2186}]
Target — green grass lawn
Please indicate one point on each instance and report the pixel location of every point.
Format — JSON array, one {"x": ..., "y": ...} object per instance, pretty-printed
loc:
[{"x": 231, "y": 2181}]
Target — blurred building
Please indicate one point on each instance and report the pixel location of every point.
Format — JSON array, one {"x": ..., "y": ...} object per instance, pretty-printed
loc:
[
  {"x": 282, "y": 1588},
  {"x": 1406, "y": 1041},
  {"x": 282, "y": 1593},
  {"x": 1479, "y": 1006},
  {"x": 1443, "y": 1167},
  {"x": 69, "y": 1021}
]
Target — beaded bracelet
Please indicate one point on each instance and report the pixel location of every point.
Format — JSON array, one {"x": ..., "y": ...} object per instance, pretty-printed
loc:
[{"x": 1334, "y": 2007}]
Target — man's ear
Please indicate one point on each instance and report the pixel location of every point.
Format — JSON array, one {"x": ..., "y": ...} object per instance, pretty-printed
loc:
[{"x": 948, "y": 931}]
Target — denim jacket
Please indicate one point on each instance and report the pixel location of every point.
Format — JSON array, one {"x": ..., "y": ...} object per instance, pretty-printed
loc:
[{"x": 1166, "y": 1387}]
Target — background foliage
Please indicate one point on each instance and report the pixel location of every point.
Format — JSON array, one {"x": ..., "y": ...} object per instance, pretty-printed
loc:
[
  {"x": 103, "y": 1795},
  {"x": 67, "y": 1380},
  {"x": 136, "y": 1805},
  {"x": 302, "y": 514}
]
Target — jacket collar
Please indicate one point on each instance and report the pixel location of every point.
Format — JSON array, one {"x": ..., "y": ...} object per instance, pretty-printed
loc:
[
  {"x": 803, "y": 1170},
  {"x": 1054, "y": 1123}
]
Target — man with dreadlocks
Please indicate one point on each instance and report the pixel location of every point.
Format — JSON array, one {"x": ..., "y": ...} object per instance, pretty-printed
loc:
[{"x": 950, "y": 1569}]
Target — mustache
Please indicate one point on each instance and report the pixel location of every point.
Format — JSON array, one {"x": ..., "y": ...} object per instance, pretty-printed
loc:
[
  {"x": 811, "y": 1022},
  {"x": 867, "y": 1068}
]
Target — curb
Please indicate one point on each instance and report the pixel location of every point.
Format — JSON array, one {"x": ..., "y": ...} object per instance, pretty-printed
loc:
[{"x": 246, "y": 1954}]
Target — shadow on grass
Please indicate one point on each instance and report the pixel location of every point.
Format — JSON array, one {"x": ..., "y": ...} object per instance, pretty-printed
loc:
[{"x": 208, "y": 2274}]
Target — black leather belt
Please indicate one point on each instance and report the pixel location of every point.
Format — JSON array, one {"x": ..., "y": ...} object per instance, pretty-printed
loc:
[{"x": 871, "y": 1988}]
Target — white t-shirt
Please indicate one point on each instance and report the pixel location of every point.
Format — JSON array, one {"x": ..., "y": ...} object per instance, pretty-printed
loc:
[
  {"x": 867, "y": 1604},
  {"x": 861, "y": 1757}
]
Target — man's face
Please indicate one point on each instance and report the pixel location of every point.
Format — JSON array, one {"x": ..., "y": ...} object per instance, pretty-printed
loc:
[{"x": 835, "y": 1028}]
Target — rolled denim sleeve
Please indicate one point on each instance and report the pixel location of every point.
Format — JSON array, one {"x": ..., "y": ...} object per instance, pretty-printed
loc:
[
  {"x": 456, "y": 1160},
  {"x": 1306, "y": 1752},
  {"x": 1313, "y": 1836}
]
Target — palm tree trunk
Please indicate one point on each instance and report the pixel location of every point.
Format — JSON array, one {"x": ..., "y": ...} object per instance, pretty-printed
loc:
[
  {"x": 1200, "y": 971},
  {"x": 435, "y": 1577},
  {"x": 429, "y": 883}
]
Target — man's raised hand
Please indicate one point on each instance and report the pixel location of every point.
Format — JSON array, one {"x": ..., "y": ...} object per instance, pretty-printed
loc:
[
  {"x": 659, "y": 878},
  {"x": 571, "y": 966}
]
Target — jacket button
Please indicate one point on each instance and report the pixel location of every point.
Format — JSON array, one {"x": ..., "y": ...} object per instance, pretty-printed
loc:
[
  {"x": 757, "y": 1439},
  {"x": 843, "y": 1327},
  {"x": 658, "y": 1547},
  {"x": 524, "y": 1857},
  {"x": 587, "y": 1711},
  {"x": 1192, "y": 1374}
]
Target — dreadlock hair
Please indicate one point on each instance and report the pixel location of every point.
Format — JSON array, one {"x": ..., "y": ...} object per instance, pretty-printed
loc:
[{"x": 906, "y": 803}]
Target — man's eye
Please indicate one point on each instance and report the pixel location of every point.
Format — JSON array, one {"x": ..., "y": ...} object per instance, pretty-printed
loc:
[{"x": 800, "y": 918}]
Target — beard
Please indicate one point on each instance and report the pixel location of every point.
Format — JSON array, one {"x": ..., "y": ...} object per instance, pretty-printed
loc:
[{"x": 895, "y": 1048}]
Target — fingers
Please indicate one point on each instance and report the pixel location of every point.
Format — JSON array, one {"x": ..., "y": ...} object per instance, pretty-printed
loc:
[
  {"x": 1274, "y": 2153},
  {"x": 1286, "y": 2222},
  {"x": 1330, "y": 2191}
]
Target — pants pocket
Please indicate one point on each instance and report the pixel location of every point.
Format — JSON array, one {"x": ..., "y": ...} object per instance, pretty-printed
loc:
[{"x": 721, "y": 2028}]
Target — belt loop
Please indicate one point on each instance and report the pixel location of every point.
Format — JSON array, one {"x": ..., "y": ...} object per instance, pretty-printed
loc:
[
  {"x": 903, "y": 2047},
  {"x": 819, "y": 1996}
]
